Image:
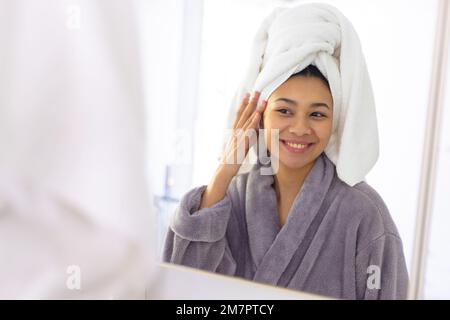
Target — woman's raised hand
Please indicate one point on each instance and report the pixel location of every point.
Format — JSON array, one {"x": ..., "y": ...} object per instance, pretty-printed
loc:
[
  {"x": 245, "y": 125},
  {"x": 247, "y": 118}
]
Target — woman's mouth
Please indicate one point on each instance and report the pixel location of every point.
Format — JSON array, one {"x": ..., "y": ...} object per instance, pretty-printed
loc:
[{"x": 295, "y": 146}]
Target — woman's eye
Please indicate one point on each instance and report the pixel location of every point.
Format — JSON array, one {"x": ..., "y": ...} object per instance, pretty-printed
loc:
[
  {"x": 283, "y": 111},
  {"x": 318, "y": 115}
]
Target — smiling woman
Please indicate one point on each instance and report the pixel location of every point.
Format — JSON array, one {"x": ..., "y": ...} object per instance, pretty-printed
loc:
[
  {"x": 301, "y": 109},
  {"x": 314, "y": 224}
]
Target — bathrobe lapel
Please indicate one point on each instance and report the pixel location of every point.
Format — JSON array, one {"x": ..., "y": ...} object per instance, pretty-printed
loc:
[
  {"x": 273, "y": 248},
  {"x": 261, "y": 215}
]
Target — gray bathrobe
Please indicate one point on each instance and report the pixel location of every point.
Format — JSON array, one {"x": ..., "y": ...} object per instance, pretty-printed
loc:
[{"x": 337, "y": 241}]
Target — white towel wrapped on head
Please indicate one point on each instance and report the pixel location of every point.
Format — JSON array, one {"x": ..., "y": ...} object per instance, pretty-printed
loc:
[{"x": 289, "y": 40}]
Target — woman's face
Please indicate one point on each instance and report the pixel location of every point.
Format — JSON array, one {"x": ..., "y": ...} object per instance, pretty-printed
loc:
[{"x": 302, "y": 109}]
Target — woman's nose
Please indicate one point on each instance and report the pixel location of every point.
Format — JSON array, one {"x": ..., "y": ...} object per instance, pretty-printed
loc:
[{"x": 300, "y": 127}]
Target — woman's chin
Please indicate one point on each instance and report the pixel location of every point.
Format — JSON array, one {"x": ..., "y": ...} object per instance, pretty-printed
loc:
[{"x": 294, "y": 164}]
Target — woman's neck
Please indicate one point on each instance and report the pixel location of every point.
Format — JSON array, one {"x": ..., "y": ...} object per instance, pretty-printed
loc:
[
  {"x": 289, "y": 181},
  {"x": 287, "y": 184}
]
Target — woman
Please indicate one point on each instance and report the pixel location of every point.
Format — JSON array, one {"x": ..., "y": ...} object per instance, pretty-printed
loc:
[{"x": 302, "y": 227}]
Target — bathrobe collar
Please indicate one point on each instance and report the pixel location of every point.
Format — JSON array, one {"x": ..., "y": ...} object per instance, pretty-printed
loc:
[{"x": 272, "y": 247}]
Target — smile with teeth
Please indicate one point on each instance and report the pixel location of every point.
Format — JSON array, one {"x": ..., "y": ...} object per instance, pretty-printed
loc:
[{"x": 296, "y": 147}]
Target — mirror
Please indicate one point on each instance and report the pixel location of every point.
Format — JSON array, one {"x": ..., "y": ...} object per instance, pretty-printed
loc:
[{"x": 213, "y": 63}]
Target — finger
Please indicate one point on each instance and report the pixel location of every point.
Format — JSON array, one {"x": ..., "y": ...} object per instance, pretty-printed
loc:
[
  {"x": 254, "y": 124},
  {"x": 244, "y": 103},
  {"x": 252, "y": 134},
  {"x": 262, "y": 107},
  {"x": 241, "y": 133},
  {"x": 252, "y": 121},
  {"x": 249, "y": 109}
]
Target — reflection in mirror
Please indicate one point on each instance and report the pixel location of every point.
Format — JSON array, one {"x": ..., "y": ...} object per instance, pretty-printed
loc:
[{"x": 315, "y": 223}]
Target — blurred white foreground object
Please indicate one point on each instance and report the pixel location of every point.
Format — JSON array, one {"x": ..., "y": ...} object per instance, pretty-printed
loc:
[
  {"x": 74, "y": 195},
  {"x": 51, "y": 249}
]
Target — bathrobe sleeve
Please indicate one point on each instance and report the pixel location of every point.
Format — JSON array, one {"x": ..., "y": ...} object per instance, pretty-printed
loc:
[
  {"x": 381, "y": 269},
  {"x": 197, "y": 238}
]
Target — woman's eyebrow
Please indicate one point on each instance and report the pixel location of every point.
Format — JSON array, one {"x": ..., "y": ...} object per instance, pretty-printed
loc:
[{"x": 293, "y": 102}]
